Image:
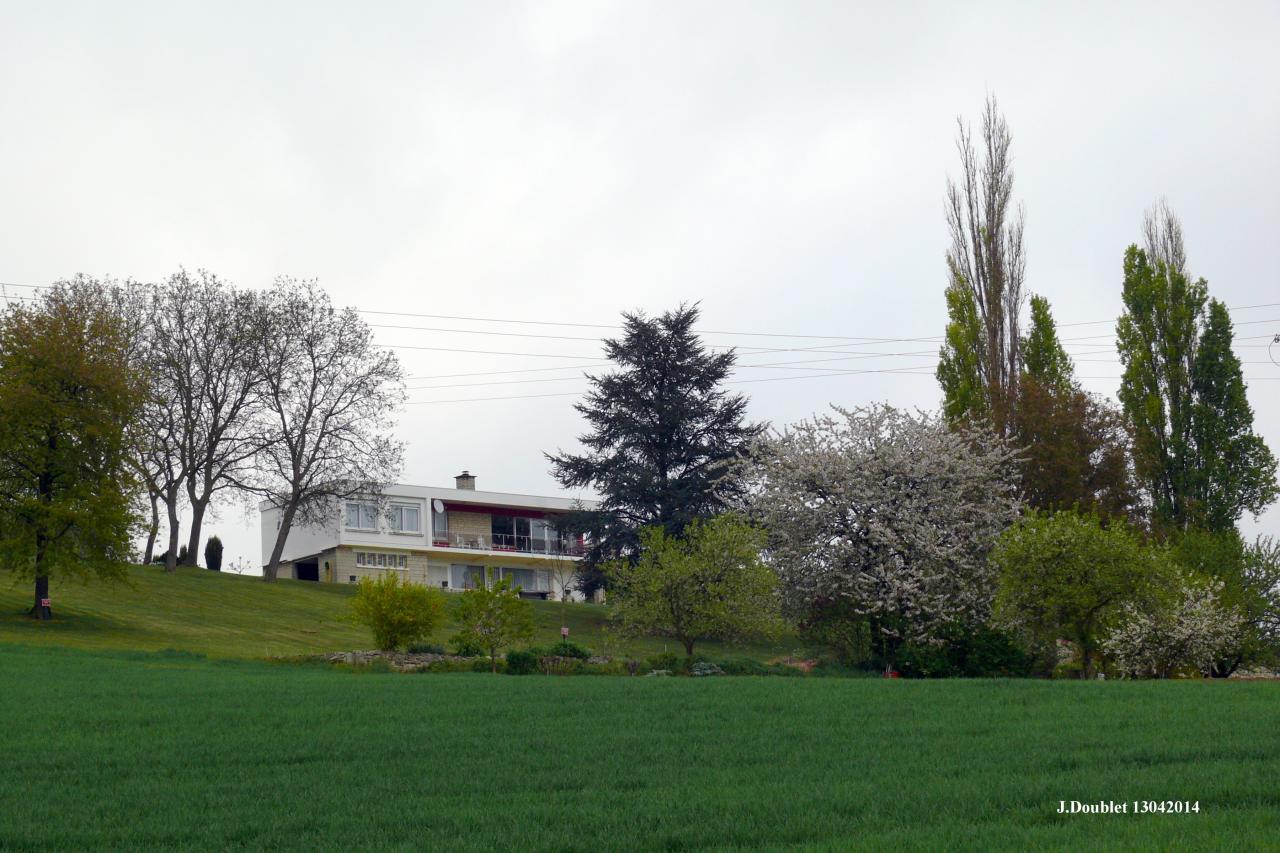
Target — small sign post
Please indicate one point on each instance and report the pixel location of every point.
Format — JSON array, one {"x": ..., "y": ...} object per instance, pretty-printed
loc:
[
  {"x": 44, "y": 602},
  {"x": 564, "y": 631}
]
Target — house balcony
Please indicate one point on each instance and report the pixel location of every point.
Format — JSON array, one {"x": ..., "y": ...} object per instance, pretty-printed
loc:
[{"x": 510, "y": 543}]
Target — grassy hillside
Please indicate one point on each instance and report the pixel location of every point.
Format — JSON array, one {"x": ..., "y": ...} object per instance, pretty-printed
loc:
[
  {"x": 115, "y": 750},
  {"x": 226, "y": 615}
]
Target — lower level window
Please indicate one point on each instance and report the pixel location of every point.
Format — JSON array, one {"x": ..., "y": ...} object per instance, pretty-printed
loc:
[
  {"x": 466, "y": 577},
  {"x": 381, "y": 560}
]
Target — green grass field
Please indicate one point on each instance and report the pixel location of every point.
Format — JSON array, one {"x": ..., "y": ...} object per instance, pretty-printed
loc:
[
  {"x": 226, "y": 615},
  {"x": 129, "y": 750}
]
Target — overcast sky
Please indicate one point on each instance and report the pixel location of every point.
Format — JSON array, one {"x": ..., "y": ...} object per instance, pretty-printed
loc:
[{"x": 782, "y": 163}]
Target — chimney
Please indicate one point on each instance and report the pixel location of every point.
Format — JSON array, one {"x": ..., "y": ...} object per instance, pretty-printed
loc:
[{"x": 465, "y": 480}]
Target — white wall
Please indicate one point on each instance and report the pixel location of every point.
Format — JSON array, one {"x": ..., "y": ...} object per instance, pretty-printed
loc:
[{"x": 303, "y": 541}]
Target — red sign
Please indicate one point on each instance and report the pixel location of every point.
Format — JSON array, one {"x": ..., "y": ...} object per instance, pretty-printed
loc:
[
  {"x": 44, "y": 602},
  {"x": 564, "y": 632}
]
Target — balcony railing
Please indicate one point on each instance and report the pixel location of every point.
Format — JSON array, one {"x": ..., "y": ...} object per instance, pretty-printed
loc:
[{"x": 509, "y": 542}]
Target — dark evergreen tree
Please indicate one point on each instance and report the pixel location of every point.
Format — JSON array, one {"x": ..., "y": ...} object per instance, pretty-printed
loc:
[
  {"x": 213, "y": 554},
  {"x": 663, "y": 436}
]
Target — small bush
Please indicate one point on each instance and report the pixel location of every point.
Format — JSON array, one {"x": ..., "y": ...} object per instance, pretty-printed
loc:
[
  {"x": 426, "y": 649},
  {"x": 482, "y": 664},
  {"x": 397, "y": 612},
  {"x": 568, "y": 649},
  {"x": 521, "y": 663},
  {"x": 701, "y": 669},
  {"x": 669, "y": 661},
  {"x": 959, "y": 651},
  {"x": 613, "y": 667},
  {"x": 555, "y": 665}
]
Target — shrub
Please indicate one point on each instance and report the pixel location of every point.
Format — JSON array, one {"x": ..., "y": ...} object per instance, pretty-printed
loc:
[
  {"x": 493, "y": 619},
  {"x": 613, "y": 667},
  {"x": 553, "y": 665},
  {"x": 958, "y": 651},
  {"x": 567, "y": 649},
  {"x": 396, "y": 612},
  {"x": 521, "y": 663},
  {"x": 480, "y": 664},
  {"x": 666, "y": 661},
  {"x": 213, "y": 554},
  {"x": 703, "y": 668},
  {"x": 427, "y": 649},
  {"x": 465, "y": 647}
]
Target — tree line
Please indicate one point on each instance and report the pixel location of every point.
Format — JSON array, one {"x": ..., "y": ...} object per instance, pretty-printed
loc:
[
  {"x": 1027, "y": 517},
  {"x": 124, "y": 403}
]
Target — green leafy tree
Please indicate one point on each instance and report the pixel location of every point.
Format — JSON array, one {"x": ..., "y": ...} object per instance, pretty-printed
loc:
[
  {"x": 1068, "y": 576},
  {"x": 707, "y": 584},
  {"x": 1075, "y": 448},
  {"x": 1234, "y": 470},
  {"x": 1043, "y": 357},
  {"x": 213, "y": 554},
  {"x": 1249, "y": 579},
  {"x": 663, "y": 437},
  {"x": 959, "y": 372},
  {"x": 1075, "y": 452},
  {"x": 397, "y": 612},
  {"x": 1195, "y": 451},
  {"x": 69, "y": 392},
  {"x": 493, "y": 618}
]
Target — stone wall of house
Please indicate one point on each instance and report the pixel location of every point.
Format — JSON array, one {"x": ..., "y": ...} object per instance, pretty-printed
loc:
[{"x": 470, "y": 523}]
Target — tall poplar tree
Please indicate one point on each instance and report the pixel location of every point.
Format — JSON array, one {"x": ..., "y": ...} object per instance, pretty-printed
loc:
[
  {"x": 981, "y": 360},
  {"x": 663, "y": 434},
  {"x": 1183, "y": 392}
]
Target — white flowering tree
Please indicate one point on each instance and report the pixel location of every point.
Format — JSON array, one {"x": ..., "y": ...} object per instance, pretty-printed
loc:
[
  {"x": 880, "y": 521},
  {"x": 1186, "y": 632}
]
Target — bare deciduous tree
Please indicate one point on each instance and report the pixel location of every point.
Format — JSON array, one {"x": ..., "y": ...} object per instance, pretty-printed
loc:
[
  {"x": 223, "y": 431},
  {"x": 328, "y": 391},
  {"x": 986, "y": 259}
]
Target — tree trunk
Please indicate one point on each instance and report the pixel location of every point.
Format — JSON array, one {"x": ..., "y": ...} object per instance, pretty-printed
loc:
[
  {"x": 1086, "y": 660},
  {"x": 273, "y": 565},
  {"x": 153, "y": 531},
  {"x": 171, "y": 558},
  {"x": 198, "y": 506},
  {"x": 688, "y": 654},
  {"x": 41, "y": 609}
]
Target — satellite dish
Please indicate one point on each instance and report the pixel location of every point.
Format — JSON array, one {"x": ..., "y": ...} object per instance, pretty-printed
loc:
[{"x": 437, "y": 505}]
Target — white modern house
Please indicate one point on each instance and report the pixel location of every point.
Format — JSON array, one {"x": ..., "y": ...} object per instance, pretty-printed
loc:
[{"x": 448, "y": 538}]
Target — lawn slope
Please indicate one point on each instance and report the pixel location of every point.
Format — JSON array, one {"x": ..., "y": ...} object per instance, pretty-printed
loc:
[
  {"x": 107, "y": 750},
  {"x": 227, "y": 615}
]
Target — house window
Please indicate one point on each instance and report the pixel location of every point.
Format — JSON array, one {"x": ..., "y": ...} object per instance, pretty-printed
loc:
[
  {"x": 440, "y": 524},
  {"x": 528, "y": 580},
  {"x": 466, "y": 577},
  {"x": 351, "y": 578},
  {"x": 362, "y": 516},
  {"x": 374, "y": 560},
  {"x": 510, "y": 533},
  {"x": 405, "y": 518}
]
